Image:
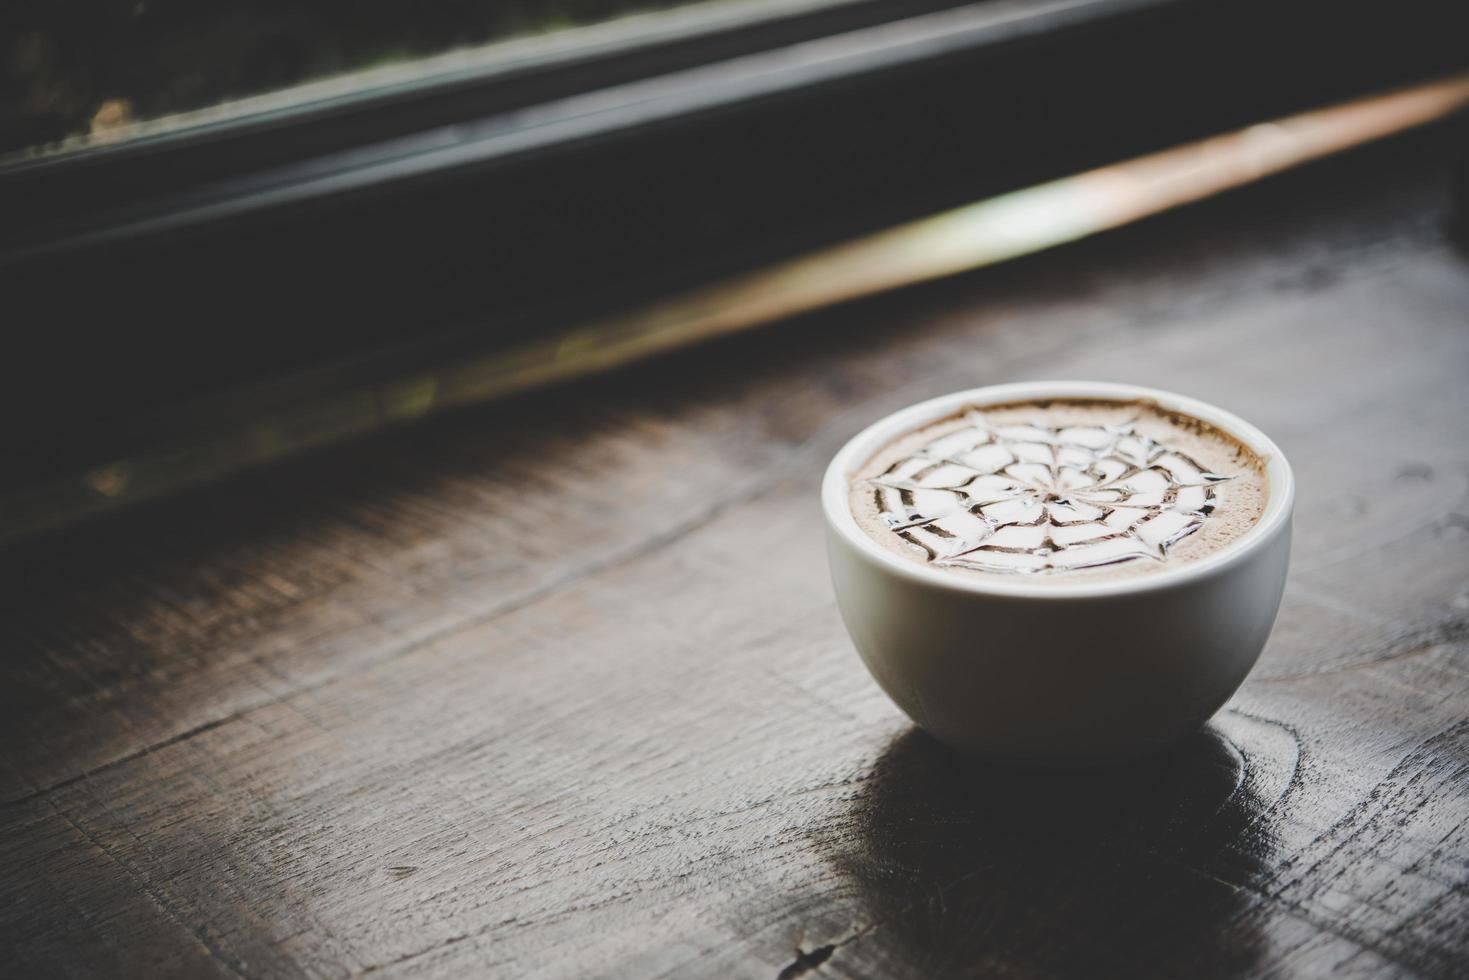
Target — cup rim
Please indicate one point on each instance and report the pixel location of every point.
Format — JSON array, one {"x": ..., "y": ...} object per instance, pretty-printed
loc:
[{"x": 861, "y": 447}]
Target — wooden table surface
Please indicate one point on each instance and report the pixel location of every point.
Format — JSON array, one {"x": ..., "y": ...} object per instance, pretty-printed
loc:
[{"x": 557, "y": 687}]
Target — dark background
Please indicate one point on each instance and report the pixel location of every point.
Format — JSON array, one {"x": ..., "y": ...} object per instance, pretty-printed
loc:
[{"x": 155, "y": 276}]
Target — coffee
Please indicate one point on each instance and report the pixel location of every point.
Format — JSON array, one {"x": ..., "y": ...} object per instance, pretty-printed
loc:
[{"x": 1064, "y": 489}]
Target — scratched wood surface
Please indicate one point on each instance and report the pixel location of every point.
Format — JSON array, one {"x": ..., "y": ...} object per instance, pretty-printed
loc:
[{"x": 557, "y": 688}]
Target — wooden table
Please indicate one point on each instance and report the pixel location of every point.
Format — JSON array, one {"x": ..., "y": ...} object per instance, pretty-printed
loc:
[{"x": 557, "y": 687}]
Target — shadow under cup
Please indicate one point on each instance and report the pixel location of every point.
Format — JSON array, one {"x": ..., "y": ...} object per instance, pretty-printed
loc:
[{"x": 1059, "y": 674}]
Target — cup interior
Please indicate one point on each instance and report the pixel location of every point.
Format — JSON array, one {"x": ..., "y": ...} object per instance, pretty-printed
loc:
[{"x": 851, "y": 457}]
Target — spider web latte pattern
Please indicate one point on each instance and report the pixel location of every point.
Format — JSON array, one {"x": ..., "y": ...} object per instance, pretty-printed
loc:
[{"x": 1030, "y": 498}]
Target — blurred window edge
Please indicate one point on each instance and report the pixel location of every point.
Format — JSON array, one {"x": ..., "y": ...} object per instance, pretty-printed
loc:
[
  {"x": 229, "y": 154},
  {"x": 621, "y": 36}
]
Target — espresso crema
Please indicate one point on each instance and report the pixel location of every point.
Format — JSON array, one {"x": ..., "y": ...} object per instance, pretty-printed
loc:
[{"x": 1065, "y": 489}]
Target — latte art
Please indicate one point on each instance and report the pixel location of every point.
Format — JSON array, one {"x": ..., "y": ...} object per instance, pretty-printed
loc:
[
  {"x": 1030, "y": 498},
  {"x": 1054, "y": 488}
]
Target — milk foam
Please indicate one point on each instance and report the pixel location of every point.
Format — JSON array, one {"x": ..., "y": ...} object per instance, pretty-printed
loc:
[{"x": 1060, "y": 489}]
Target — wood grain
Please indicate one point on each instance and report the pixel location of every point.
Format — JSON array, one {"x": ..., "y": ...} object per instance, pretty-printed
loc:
[{"x": 557, "y": 687}]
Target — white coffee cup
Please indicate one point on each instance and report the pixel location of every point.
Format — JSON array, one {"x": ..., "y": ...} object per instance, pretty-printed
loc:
[{"x": 1058, "y": 674}]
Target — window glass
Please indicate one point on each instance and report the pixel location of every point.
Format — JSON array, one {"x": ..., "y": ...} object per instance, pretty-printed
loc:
[{"x": 76, "y": 72}]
